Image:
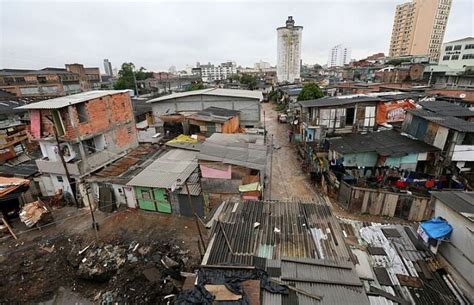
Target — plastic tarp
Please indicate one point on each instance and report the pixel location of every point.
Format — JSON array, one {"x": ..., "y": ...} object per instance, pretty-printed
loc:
[{"x": 437, "y": 228}]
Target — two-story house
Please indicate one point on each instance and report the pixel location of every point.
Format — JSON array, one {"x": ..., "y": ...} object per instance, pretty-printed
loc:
[{"x": 90, "y": 130}]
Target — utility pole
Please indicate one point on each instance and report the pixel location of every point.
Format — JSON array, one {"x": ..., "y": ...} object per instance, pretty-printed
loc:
[
  {"x": 61, "y": 156},
  {"x": 135, "y": 82},
  {"x": 94, "y": 223},
  {"x": 264, "y": 129},
  {"x": 271, "y": 170}
]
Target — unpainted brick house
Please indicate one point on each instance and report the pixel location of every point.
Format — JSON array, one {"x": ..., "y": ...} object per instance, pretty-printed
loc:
[{"x": 93, "y": 129}]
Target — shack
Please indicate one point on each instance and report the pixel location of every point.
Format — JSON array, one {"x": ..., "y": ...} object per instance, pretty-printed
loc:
[
  {"x": 214, "y": 119},
  {"x": 232, "y": 167},
  {"x": 12, "y": 196},
  {"x": 109, "y": 185},
  {"x": 341, "y": 114},
  {"x": 457, "y": 207},
  {"x": 169, "y": 184},
  {"x": 385, "y": 148}
]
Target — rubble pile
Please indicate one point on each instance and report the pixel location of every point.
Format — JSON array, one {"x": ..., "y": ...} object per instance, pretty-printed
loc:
[
  {"x": 133, "y": 273},
  {"x": 118, "y": 271}
]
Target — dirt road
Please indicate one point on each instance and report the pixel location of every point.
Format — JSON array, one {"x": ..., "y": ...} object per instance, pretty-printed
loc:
[{"x": 288, "y": 181}]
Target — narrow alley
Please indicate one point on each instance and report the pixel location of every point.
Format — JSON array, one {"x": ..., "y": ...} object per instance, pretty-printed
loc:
[{"x": 287, "y": 179}]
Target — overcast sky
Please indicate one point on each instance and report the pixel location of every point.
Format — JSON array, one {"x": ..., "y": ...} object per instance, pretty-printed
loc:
[{"x": 158, "y": 34}]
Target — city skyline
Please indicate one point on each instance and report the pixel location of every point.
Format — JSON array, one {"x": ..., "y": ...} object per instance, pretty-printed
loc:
[{"x": 178, "y": 37}]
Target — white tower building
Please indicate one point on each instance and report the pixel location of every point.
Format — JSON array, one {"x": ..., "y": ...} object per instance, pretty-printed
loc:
[
  {"x": 339, "y": 56},
  {"x": 289, "y": 52}
]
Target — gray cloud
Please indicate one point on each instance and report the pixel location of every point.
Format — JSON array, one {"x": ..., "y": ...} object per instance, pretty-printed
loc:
[{"x": 156, "y": 35}]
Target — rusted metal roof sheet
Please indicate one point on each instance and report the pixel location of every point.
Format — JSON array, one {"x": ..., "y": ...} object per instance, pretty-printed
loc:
[{"x": 273, "y": 230}]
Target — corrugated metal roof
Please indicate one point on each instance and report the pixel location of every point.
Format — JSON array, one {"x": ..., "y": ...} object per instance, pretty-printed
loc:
[
  {"x": 237, "y": 149},
  {"x": 284, "y": 229},
  {"x": 211, "y": 91},
  {"x": 385, "y": 143},
  {"x": 447, "y": 108},
  {"x": 443, "y": 120},
  {"x": 67, "y": 100},
  {"x": 403, "y": 258},
  {"x": 461, "y": 202},
  {"x": 165, "y": 172}
]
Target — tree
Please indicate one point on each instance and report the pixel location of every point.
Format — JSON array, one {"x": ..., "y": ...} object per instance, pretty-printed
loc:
[
  {"x": 195, "y": 86},
  {"x": 310, "y": 92},
  {"x": 249, "y": 80},
  {"x": 126, "y": 79}
]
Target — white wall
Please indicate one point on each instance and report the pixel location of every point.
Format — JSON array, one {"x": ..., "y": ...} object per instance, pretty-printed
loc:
[{"x": 460, "y": 250}]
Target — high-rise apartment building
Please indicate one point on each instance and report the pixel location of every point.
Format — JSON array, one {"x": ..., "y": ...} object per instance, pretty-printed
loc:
[
  {"x": 211, "y": 73},
  {"x": 339, "y": 56},
  {"x": 289, "y": 52},
  {"x": 108, "y": 68},
  {"x": 418, "y": 28}
]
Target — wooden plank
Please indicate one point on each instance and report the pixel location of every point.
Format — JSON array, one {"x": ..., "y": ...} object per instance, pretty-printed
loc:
[
  {"x": 221, "y": 293},
  {"x": 9, "y": 228},
  {"x": 365, "y": 202}
]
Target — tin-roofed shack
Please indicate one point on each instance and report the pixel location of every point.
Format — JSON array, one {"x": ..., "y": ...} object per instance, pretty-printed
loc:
[
  {"x": 457, "y": 208},
  {"x": 213, "y": 119},
  {"x": 163, "y": 186},
  {"x": 293, "y": 252},
  {"x": 232, "y": 167},
  {"x": 109, "y": 185}
]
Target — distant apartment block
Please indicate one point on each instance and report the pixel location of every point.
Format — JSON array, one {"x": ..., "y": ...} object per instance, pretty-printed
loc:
[
  {"x": 108, "y": 67},
  {"x": 211, "y": 73},
  {"x": 94, "y": 129},
  {"x": 289, "y": 52},
  {"x": 418, "y": 28},
  {"x": 458, "y": 54},
  {"x": 52, "y": 82},
  {"x": 339, "y": 56}
]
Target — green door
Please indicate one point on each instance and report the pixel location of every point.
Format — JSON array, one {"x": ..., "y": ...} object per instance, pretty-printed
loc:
[
  {"x": 161, "y": 199},
  {"x": 145, "y": 199}
]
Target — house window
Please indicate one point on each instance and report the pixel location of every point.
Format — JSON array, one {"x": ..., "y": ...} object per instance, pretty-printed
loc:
[
  {"x": 457, "y": 47},
  {"x": 446, "y": 57},
  {"x": 58, "y": 122},
  {"x": 469, "y": 46},
  {"x": 448, "y": 48},
  {"x": 455, "y": 57},
  {"x": 89, "y": 146},
  {"x": 60, "y": 178},
  {"x": 468, "y": 56},
  {"x": 82, "y": 112},
  {"x": 146, "y": 195}
]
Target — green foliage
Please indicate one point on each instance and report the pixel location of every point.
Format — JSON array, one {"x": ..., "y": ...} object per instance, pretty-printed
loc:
[
  {"x": 273, "y": 95},
  {"x": 196, "y": 86},
  {"x": 280, "y": 107},
  {"x": 126, "y": 76},
  {"x": 249, "y": 80},
  {"x": 310, "y": 92}
]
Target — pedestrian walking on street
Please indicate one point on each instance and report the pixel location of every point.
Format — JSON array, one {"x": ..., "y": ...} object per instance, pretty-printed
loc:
[{"x": 290, "y": 135}]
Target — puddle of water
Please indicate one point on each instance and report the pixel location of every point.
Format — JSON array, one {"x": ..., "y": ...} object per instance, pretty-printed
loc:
[{"x": 64, "y": 296}]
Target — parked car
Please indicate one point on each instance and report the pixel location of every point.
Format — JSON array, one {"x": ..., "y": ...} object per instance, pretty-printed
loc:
[{"x": 282, "y": 118}]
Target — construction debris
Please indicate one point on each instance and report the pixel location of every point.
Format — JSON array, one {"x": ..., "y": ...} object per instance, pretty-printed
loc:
[{"x": 34, "y": 212}]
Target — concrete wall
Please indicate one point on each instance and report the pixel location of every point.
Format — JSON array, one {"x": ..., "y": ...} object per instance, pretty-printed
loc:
[
  {"x": 250, "y": 108},
  {"x": 459, "y": 251}
]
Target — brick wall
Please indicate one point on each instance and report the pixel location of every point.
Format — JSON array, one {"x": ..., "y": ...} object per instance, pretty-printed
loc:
[
  {"x": 125, "y": 135},
  {"x": 104, "y": 113}
]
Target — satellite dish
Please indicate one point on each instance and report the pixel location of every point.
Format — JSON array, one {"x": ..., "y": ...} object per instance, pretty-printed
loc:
[{"x": 462, "y": 95}]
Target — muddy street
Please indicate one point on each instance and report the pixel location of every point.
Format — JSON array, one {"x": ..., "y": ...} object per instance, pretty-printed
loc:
[{"x": 287, "y": 179}]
